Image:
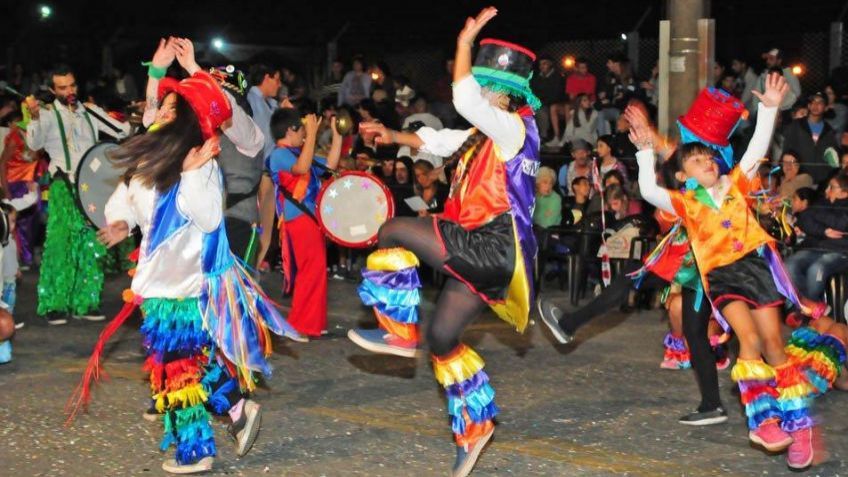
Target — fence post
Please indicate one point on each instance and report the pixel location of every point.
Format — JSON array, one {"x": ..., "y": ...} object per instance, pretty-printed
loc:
[
  {"x": 835, "y": 46},
  {"x": 633, "y": 50},
  {"x": 662, "y": 80}
]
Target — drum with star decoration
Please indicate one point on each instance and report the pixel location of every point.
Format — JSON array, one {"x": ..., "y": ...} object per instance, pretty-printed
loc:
[
  {"x": 352, "y": 206},
  {"x": 96, "y": 180}
]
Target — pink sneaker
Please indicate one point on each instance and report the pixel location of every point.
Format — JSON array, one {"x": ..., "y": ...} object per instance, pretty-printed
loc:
[
  {"x": 723, "y": 363},
  {"x": 800, "y": 455},
  {"x": 770, "y": 436}
]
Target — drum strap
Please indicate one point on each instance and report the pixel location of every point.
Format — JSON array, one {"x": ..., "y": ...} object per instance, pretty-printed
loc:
[
  {"x": 297, "y": 203},
  {"x": 236, "y": 197},
  {"x": 64, "y": 137}
]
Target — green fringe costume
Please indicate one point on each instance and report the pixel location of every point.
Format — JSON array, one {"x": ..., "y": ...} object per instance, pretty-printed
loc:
[{"x": 71, "y": 276}]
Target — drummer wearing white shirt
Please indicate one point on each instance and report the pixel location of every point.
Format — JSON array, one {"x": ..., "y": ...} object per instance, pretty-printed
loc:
[
  {"x": 71, "y": 271},
  {"x": 67, "y": 118}
]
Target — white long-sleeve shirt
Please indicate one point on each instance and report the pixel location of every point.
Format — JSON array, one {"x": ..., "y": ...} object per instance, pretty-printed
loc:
[
  {"x": 757, "y": 148},
  {"x": 43, "y": 133},
  {"x": 174, "y": 268},
  {"x": 504, "y": 128}
]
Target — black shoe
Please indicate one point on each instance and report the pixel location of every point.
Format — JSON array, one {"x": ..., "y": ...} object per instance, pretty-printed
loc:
[
  {"x": 56, "y": 318},
  {"x": 704, "y": 418},
  {"x": 93, "y": 315},
  {"x": 550, "y": 315}
]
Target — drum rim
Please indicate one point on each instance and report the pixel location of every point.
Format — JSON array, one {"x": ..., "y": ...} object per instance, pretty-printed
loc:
[
  {"x": 390, "y": 201},
  {"x": 75, "y": 184}
]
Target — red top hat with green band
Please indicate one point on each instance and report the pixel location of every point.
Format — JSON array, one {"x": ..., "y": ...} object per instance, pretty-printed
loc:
[
  {"x": 204, "y": 96},
  {"x": 506, "y": 68}
]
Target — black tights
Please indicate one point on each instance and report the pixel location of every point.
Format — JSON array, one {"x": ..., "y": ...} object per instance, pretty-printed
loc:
[
  {"x": 458, "y": 306},
  {"x": 695, "y": 324}
]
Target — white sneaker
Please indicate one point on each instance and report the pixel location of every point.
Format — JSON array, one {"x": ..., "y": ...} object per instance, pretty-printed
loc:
[
  {"x": 173, "y": 467},
  {"x": 19, "y": 325},
  {"x": 552, "y": 143},
  {"x": 93, "y": 315}
]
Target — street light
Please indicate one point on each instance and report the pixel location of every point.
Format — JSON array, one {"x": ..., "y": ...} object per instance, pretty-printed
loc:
[
  {"x": 797, "y": 70},
  {"x": 624, "y": 37},
  {"x": 568, "y": 62},
  {"x": 218, "y": 43},
  {"x": 45, "y": 11}
]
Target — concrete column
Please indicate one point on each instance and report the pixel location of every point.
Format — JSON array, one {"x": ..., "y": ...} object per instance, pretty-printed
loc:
[{"x": 684, "y": 54}]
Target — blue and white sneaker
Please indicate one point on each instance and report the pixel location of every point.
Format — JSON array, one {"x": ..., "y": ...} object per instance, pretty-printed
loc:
[{"x": 467, "y": 458}]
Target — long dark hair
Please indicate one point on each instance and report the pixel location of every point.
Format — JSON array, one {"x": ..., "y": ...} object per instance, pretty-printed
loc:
[{"x": 156, "y": 158}]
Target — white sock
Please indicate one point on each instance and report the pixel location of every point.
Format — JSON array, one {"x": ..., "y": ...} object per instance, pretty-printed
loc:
[{"x": 235, "y": 411}]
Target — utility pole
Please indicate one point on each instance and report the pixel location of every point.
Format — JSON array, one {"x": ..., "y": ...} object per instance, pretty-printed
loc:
[{"x": 689, "y": 62}]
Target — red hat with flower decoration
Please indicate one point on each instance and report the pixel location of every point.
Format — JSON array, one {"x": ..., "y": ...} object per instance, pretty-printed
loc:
[{"x": 205, "y": 97}]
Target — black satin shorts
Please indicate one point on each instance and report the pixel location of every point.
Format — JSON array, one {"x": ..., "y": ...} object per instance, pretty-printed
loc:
[{"x": 748, "y": 280}]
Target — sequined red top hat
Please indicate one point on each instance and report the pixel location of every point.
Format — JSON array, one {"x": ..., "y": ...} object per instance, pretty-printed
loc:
[
  {"x": 205, "y": 97},
  {"x": 713, "y": 116}
]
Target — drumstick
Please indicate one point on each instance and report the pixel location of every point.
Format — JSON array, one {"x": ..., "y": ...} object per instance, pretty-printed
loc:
[{"x": 90, "y": 111}]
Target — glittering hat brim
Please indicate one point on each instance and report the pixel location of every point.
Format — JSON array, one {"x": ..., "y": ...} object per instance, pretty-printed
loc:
[{"x": 507, "y": 83}]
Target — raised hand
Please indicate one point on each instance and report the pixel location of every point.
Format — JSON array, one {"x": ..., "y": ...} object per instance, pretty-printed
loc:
[
  {"x": 640, "y": 131},
  {"x": 184, "y": 49},
  {"x": 113, "y": 234},
  {"x": 165, "y": 53},
  {"x": 311, "y": 123},
  {"x": 380, "y": 133},
  {"x": 198, "y": 156},
  {"x": 474, "y": 25},
  {"x": 775, "y": 90}
]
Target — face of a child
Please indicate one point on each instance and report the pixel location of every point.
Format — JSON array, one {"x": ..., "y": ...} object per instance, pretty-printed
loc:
[
  {"x": 581, "y": 189},
  {"x": 798, "y": 204},
  {"x": 834, "y": 191},
  {"x": 702, "y": 168},
  {"x": 603, "y": 149},
  {"x": 611, "y": 180},
  {"x": 167, "y": 111},
  {"x": 618, "y": 206},
  {"x": 424, "y": 177},
  {"x": 544, "y": 186}
]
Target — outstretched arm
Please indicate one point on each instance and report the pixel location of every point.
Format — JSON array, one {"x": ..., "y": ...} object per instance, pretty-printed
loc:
[
  {"x": 162, "y": 58},
  {"x": 773, "y": 93}
]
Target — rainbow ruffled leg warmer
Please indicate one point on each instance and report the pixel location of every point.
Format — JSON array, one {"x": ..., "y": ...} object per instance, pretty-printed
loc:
[
  {"x": 177, "y": 360},
  {"x": 794, "y": 391},
  {"x": 675, "y": 349},
  {"x": 758, "y": 391},
  {"x": 820, "y": 357},
  {"x": 471, "y": 399},
  {"x": 390, "y": 284}
]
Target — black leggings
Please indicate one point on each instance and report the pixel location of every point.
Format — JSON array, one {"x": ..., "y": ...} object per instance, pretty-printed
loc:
[
  {"x": 457, "y": 306},
  {"x": 695, "y": 325}
]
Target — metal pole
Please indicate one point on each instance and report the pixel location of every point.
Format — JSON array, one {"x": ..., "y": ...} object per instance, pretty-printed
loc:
[
  {"x": 633, "y": 50},
  {"x": 835, "y": 45},
  {"x": 706, "y": 52}
]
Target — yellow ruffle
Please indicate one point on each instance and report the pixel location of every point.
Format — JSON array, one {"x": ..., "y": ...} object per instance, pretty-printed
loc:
[
  {"x": 462, "y": 365},
  {"x": 391, "y": 259},
  {"x": 746, "y": 369},
  {"x": 187, "y": 396}
]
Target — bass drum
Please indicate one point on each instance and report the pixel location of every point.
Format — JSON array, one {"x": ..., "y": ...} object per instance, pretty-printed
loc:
[{"x": 96, "y": 180}]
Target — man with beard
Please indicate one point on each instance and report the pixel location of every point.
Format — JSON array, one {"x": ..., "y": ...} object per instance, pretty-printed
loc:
[{"x": 71, "y": 275}]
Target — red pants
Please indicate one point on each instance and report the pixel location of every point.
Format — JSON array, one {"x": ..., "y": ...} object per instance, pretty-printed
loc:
[{"x": 309, "y": 306}]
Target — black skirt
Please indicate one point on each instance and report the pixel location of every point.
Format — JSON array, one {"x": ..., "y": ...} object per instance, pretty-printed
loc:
[
  {"x": 748, "y": 280},
  {"x": 483, "y": 258}
]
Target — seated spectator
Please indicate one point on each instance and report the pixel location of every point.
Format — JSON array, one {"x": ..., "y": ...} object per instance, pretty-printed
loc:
[
  {"x": 578, "y": 203},
  {"x": 580, "y": 166},
  {"x": 403, "y": 91},
  {"x": 619, "y": 203},
  {"x": 420, "y": 117},
  {"x": 810, "y": 137},
  {"x": 356, "y": 84},
  {"x": 402, "y": 187},
  {"x": 583, "y": 121},
  {"x": 610, "y": 179},
  {"x": 608, "y": 160},
  {"x": 385, "y": 170},
  {"x": 548, "y": 209},
  {"x": 792, "y": 177},
  {"x": 428, "y": 187},
  {"x": 824, "y": 251},
  {"x": 801, "y": 201}
]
